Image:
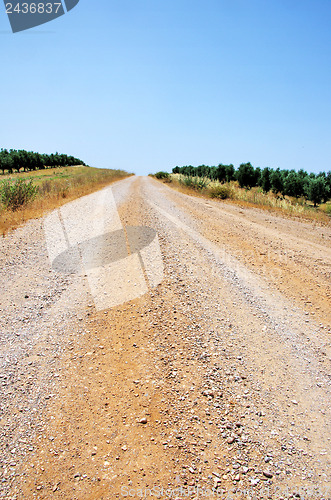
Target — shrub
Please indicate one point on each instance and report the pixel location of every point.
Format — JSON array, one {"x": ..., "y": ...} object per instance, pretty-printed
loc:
[
  {"x": 222, "y": 192},
  {"x": 162, "y": 175},
  {"x": 46, "y": 187},
  {"x": 186, "y": 180},
  {"x": 194, "y": 182},
  {"x": 16, "y": 195}
]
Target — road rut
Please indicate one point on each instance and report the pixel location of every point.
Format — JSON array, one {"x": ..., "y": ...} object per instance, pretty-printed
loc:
[{"x": 217, "y": 378}]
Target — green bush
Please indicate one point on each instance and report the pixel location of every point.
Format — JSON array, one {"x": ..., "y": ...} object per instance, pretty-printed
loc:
[
  {"x": 221, "y": 192},
  {"x": 194, "y": 182},
  {"x": 15, "y": 195},
  {"x": 186, "y": 180},
  {"x": 162, "y": 175}
]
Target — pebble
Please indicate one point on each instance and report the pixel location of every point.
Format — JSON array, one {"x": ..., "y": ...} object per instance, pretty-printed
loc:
[{"x": 252, "y": 445}]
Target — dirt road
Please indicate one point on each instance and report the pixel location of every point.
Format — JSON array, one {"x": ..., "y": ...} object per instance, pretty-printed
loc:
[{"x": 214, "y": 383}]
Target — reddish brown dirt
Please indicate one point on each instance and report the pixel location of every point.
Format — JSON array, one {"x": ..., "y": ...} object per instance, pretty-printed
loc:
[{"x": 223, "y": 382}]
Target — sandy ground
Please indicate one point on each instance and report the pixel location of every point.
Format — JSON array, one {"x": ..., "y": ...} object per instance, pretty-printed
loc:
[{"x": 213, "y": 384}]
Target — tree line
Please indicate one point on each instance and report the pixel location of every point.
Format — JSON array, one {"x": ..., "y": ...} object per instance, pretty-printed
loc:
[
  {"x": 314, "y": 187},
  {"x": 16, "y": 160}
]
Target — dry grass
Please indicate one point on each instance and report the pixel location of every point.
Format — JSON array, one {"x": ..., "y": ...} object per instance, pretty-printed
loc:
[
  {"x": 255, "y": 197},
  {"x": 57, "y": 186}
]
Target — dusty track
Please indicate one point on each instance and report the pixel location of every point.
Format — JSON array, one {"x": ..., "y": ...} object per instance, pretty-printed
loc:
[{"x": 228, "y": 359}]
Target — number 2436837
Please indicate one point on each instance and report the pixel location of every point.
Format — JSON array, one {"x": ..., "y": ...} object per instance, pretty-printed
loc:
[{"x": 33, "y": 8}]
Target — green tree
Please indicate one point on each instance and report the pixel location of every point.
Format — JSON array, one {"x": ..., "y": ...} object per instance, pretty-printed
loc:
[
  {"x": 317, "y": 190},
  {"x": 276, "y": 180},
  {"x": 221, "y": 173},
  {"x": 229, "y": 172},
  {"x": 257, "y": 176},
  {"x": 213, "y": 173},
  {"x": 328, "y": 184},
  {"x": 294, "y": 184},
  {"x": 246, "y": 175},
  {"x": 265, "y": 179},
  {"x": 7, "y": 163}
]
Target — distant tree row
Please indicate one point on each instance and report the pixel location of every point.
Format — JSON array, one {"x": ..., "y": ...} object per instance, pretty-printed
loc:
[
  {"x": 314, "y": 187},
  {"x": 16, "y": 160}
]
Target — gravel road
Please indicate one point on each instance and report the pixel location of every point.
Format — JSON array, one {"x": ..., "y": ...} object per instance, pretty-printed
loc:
[{"x": 214, "y": 382}]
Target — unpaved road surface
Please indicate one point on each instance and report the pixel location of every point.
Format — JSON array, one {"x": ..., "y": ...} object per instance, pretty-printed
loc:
[{"x": 213, "y": 384}]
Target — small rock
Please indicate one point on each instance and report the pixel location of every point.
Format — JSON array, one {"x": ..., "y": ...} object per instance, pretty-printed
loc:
[
  {"x": 267, "y": 474},
  {"x": 208, "y": 393},
  {"x": 143, "y": 420}
]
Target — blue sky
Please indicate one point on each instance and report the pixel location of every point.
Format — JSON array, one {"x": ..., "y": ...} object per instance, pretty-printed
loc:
[{"x": 148, "y": 85}]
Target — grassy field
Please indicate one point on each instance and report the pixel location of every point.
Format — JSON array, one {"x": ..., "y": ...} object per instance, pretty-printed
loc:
[
  {"x": 56, "y": 186},
  {"x": 254, "y": 197}
]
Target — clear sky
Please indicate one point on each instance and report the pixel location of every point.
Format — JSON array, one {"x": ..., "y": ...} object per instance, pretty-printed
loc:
[{"x": 148, "y": 85}]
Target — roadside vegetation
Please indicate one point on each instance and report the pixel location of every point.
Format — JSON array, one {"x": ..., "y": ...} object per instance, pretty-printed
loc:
[
  {"x": 20, "y": 160},
  {"x": 296, "y": 193},
  {"x": 30, "y": 195}
]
